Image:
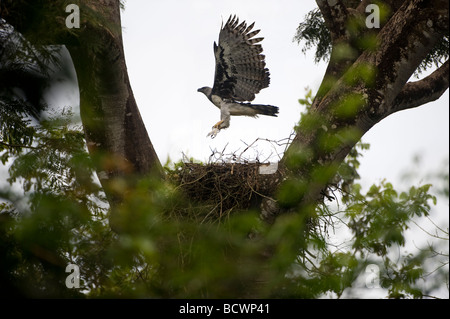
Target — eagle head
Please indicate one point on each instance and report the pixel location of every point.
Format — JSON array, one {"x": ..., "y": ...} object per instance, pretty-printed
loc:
[{"x": 205, "y": 90}]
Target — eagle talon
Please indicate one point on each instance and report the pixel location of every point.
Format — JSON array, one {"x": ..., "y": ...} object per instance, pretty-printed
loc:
[
  {"x": 215, "y": 129},
  {"x": 214, "y": 132}
]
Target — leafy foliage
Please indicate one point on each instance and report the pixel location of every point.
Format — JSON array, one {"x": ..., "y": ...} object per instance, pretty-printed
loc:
[
  {"x": 313, "y": 32},
  {"x": 16, "y": 131},
  {"x": 49, "y": 223}
]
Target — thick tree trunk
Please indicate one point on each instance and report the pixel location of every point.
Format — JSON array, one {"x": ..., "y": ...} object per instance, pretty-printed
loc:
[{"x": 115, "y": 133}]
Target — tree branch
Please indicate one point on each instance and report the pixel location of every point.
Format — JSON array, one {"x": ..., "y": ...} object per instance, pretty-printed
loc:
[
  {"x": 421, "y": 92},
  {"x": 403, "y": 43},
  {"x": 335, "y": 15},
  {"x": 7, "y": 145}
]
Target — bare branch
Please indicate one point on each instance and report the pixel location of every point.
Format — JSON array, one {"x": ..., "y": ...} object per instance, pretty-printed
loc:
[{"x": 7, "y": 145}]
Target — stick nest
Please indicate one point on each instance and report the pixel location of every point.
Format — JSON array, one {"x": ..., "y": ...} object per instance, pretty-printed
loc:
[
  {"x": 231, "y": 180},
  {"x": 223, "y": 187}
]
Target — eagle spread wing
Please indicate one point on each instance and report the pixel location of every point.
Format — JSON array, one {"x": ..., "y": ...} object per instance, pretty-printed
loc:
[
  {"x": 240, "y": 67},
  {"x": 240, "y": 74}
]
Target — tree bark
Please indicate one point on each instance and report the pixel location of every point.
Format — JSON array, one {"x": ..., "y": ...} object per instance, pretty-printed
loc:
[
  {"x": 115, "y": 133},
  {"x": 418, "y": 93}
]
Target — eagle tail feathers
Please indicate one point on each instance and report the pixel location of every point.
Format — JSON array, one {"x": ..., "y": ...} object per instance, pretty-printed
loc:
[{"x": 263, "y": 109}]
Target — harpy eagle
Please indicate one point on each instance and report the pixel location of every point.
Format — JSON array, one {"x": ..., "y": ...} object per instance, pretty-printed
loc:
[{"x": 240, "y": 74}]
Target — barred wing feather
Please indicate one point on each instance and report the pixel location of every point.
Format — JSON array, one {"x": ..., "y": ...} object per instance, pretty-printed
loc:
[{"x": 240, "y": 66}]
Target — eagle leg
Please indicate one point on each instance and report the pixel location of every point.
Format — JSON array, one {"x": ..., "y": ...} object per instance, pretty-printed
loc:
[{"x": 217, "y": 125}]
